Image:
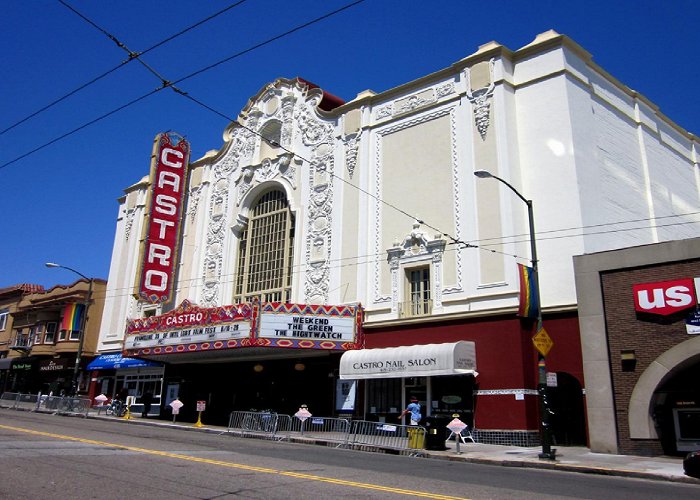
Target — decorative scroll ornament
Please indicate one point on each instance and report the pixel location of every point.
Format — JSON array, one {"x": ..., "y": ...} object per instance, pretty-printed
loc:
[
  {"x": 352, "y": 147},
  {"x": 481, "y": 101}
]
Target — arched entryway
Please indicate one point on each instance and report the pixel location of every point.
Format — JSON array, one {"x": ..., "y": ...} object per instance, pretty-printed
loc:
[
  {"x": 566, "y": 403},
  {"x": 665, "y": 402}
]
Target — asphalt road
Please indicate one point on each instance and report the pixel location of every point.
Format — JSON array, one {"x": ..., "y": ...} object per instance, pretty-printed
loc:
[{"x": 47, "y": 456}]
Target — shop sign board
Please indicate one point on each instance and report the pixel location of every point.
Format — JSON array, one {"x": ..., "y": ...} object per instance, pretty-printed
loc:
[
  {"x": 190, "y": 328},
  {"x": 299, "y": 325},
  {"x": 162, "y": 228},
  {"x": 692, "y": 323},
  {"x": 189, "y": 324},
  {"x": 665, "y": 297},
  {"x": 51, "y": 365}
]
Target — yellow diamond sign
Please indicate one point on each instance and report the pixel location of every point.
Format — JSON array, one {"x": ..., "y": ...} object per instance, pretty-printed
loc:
[{"x": 543, "y": 342}]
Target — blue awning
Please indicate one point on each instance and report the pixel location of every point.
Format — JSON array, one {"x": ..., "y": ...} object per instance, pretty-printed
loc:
[{"x": 116, "y": 361}]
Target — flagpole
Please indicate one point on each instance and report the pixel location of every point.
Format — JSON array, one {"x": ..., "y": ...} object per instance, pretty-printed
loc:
[{"x": 545, "y": 423}]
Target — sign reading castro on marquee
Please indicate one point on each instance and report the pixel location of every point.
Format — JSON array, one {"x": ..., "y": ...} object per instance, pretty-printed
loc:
[
  {"x": 162, "y": 229},
  {"x": 189, "y": 324}
]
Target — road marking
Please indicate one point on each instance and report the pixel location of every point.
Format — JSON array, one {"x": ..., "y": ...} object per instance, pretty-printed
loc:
[{"x": 233, "y": 465}]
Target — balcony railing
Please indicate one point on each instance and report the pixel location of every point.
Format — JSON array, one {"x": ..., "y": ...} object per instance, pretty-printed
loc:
[
  {"x": 21, "y": 342},
  {"x": 415, "y": 308}
]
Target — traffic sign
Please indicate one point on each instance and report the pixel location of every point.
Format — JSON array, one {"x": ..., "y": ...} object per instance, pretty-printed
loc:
[{"x": 543, "y": 342}]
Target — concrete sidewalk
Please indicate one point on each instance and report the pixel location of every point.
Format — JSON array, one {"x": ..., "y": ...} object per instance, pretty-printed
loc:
[{"x": 570, "y": 459}]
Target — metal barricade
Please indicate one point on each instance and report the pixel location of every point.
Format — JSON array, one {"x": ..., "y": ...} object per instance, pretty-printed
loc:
[
  {"x": 249, "y": 423},
  {"x": 8, "y": 399},
  {"x": 329, "y": 429},
  {"x": 403, "y": 438},
  {"x": 27, "y": 402}
]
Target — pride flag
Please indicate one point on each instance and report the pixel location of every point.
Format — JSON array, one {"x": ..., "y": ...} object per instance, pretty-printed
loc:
[
  {"x": 529, "y": 301},
  {"x": 72, "y": 316}
]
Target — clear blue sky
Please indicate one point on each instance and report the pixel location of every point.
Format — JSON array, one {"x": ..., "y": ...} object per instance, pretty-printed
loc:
[{"x": 59, "y": 204}]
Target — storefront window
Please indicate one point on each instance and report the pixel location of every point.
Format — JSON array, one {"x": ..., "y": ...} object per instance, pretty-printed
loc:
[
  {"x": 383, "y": 399},
  {"x": 453, "y": 394}
]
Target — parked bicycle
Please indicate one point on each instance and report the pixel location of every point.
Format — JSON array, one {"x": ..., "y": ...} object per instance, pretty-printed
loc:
[{"x": 116, "y": 408}]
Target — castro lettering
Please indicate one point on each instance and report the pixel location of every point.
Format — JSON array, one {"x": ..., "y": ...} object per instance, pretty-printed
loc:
[
  {"x": 664, "y": 297},
  {"x": 162, "y": 229}
]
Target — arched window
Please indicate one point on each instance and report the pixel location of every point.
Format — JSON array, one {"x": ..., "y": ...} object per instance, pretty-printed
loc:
[
  {"x": 265, "y": 252},
  {"x": 271, "y": 135}
]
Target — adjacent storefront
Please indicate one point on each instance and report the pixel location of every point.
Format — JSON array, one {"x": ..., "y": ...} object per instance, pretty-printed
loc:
[{"x": 641, "y": 347}]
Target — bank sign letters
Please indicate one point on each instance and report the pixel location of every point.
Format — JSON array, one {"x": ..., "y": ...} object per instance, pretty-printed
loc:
[
  {"x": 666, "y": 297},
  {"x": 190, "y": 328},
  {"x": 162, "y": 229}
]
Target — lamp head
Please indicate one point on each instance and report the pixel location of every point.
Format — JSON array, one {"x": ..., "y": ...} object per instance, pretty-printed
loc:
[
  {"x": 52, "y": 264},
  {"x": 483, "y": 174}
]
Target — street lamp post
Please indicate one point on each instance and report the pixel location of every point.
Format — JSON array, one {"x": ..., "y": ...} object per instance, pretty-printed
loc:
[
  {"x": 547, "y": 452},
  {"x": 83, "y": 325}
]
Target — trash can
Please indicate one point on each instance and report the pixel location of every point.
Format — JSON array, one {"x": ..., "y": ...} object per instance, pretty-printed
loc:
[
  {"x": 416, "y": 438},
  {"x": 436, "y": 432},
  {"x": 691, "y": 464}
]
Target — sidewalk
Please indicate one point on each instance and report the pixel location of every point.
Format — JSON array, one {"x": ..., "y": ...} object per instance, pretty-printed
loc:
[{"x": 570, "y": 459}]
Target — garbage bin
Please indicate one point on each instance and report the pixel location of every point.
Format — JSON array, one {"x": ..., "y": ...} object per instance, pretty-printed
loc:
[
  {"x": 436, "y": 432},
  {"x": 416, "y": 438},
  {"x": 691, "y": 464}
]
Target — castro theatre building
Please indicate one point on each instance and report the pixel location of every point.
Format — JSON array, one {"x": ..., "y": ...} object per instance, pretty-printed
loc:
[{"x": 342, "y": 254}]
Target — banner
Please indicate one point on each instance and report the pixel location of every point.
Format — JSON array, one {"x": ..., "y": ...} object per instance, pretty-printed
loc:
[
  {"x": 72, "y": 316},
  {"x": 529, "y": 301}
]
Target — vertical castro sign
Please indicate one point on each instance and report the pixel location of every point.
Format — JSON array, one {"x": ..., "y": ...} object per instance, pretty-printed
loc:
[{"x": 162, "y": 229}]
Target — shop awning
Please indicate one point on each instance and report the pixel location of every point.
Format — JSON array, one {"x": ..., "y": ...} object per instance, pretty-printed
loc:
[
  {"x": 115, "y": 361},
  {"x": 5, "y": 363},
  {"x": 456, "y": 358}
]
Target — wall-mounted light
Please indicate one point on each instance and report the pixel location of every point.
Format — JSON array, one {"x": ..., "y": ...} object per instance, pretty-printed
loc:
[
  {"x": 258, "y": 368},
  {"x": 628, "y": 360},
  {"x": 300, "y": 367}
]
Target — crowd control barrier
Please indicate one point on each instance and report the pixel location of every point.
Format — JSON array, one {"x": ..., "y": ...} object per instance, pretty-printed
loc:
[
  {"x": 328, "y": 429},
  {"x": 63, "y": 405},
  {"x": 249, "y": 423},
  {"x": 404, "y": 438}
]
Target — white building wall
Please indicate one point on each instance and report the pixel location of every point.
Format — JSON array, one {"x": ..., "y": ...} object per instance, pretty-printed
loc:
[{"x": 587, "y": 150}]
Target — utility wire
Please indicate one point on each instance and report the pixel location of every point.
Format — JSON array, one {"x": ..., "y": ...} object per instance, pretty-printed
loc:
[
  {"x": 337, "y": 264},
  {"x": 110, "y": 71},
  {"x": 170, "y": 84}
]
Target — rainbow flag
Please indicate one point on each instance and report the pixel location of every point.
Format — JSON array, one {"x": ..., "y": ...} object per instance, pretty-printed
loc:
[
  {"x": 529, "y": 301},
  {"x": 72, "y": 316}
]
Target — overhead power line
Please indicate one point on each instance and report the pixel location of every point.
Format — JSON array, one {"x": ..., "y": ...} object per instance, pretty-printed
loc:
[
  {"x": 123, "y": 63},
  {"x": 191, "y": 75}
]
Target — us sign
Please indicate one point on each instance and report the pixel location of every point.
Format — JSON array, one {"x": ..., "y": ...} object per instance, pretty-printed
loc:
[
  {"x": 162, "y": 229},
  {"x": 664, "y": 297}
]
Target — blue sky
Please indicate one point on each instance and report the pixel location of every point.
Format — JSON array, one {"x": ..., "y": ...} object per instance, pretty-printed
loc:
[{"x": 59, "y": 203}]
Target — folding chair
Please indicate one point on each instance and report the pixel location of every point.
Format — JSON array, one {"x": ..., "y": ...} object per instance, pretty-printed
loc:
[{"x": 463, "y": 436}]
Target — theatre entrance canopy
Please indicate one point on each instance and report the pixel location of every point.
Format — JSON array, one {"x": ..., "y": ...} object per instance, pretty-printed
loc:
[
  {"x": 190, "y": 333},
  {"x": 455, "y": 358}
]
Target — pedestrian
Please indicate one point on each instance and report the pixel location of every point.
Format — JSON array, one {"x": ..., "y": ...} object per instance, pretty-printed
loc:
[
  {"x": 147, "y": 400},
  {"x": 414, "y": 409}
]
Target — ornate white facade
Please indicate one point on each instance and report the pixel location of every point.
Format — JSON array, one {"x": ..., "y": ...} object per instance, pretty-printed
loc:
[{"x": 592, "y": 154}]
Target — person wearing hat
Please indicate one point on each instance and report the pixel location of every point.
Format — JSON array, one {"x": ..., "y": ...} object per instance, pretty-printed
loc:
[{"x": 414, "y": 409}]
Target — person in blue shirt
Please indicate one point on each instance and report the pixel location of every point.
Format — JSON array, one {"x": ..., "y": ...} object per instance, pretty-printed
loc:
[{"x": 414, "y": 409}]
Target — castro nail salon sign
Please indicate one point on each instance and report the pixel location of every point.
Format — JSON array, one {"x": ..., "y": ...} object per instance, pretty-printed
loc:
[{"x": 162, "y": 229}]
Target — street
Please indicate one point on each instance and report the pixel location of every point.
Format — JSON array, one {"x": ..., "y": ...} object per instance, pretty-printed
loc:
[{"x": 48, "y": 456}]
